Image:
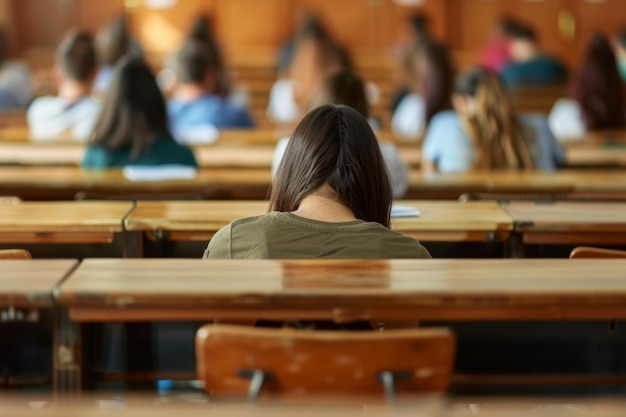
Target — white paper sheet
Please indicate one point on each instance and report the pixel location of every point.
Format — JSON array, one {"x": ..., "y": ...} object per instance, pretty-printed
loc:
[
  {"x": 404, "y": 211},
  {"x": 159, "y": 172}
]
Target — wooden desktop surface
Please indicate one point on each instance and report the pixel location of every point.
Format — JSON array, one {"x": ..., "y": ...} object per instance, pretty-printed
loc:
[
  {"x": 495, "y": 289},
  {"x": 439, "y": 220},
  {"x": 29, "y": 283},
  {"x": 255, "y": 148},
  {"x": 570, "y": 222},
  {"x": 62, "y": 221},
  {"x": 63, "y": 182}
]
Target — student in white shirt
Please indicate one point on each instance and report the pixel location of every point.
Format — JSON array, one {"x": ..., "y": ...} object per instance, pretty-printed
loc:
[
  {"x": 597, "y": 95},
  {"x": 346, "y": 88},
  {"x": 73, "y": 112}
]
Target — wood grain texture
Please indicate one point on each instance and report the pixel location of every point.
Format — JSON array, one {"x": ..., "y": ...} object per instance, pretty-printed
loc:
[
  {"x": 609, "y": 217},
  {"x": 583, "y": 252},
  {"x": 12, "y": 254},
  {"x": 29, "y": 283},
  {"x": 63, "y": 216},
  {"x": 306, "y": 364},
  {"x": 497, "y": 289},
  {"x": 439, "y": 220}
]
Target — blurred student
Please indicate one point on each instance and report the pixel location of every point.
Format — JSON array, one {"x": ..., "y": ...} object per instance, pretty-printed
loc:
[
  {"x": 597, "y": 95},
  {"x": 530, "y": 65},
  {"x": 195, "y": 110},
  {"x": 496, "y": 54},
  {"x": 433, "y": 77},
  {"x": 113, "y": 42},
  {"x": 331, "y": 198},
  {"x": 346, "y": 88},
  {"x": 132, "y": 127},
  {"x": 312, "y": 56},
  {"x": 484, "y": 133},
  {"x": 73, "y": 111},
  {"x": 16, "y": 89},
  {"x": 415, "y": 34}
]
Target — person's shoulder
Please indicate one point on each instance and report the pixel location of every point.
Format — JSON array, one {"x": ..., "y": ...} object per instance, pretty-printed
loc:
[
  {"x": 96, "y": 156},
  {"x": 446, "y": 120},
  {"x": 445, "y": 116},
  {"x": 168, "y": 146},
  {"x": 399, "y": 245},
  {"x": 44, "y": 104}
]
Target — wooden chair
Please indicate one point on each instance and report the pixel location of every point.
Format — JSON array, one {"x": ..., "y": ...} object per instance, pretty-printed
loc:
[
  {"x": 14, "y": 254},
  {"x": 584, "y": 252},
  {"x": 233, "y": 360}
]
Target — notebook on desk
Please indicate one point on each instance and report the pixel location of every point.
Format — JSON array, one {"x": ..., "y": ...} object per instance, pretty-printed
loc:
[
  {"x": 404, "y": 211},
  {"x": 159, "y": 172}
]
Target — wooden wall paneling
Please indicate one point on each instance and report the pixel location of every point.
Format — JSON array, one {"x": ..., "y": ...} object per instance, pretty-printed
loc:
[
  {"x": 605, "y": 16},
  {"x": 252, "y": 31},
  {"x": 42, "y": 23},
  {"x": 94, "y": 14},
  {"x": 349, "y": 21},
  {"x": 161, "y": 31}
]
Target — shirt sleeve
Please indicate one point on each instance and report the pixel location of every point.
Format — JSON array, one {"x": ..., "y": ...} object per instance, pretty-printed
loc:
[{"x": 220, "y": 245}]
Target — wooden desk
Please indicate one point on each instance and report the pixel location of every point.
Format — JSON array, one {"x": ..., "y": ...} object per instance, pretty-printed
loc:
[
  {"x": 574, "y": 223},
  {"x": 29, "y": 283},
  {"x": 448, "y": 221},
  {"x": 62, "y": 222},
  {"x": 62, "y": 183},
  {"x": 129, "y": 290}
]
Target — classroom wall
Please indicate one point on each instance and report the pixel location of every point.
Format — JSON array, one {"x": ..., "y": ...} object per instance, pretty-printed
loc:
[{"x": 253, "y": 30}]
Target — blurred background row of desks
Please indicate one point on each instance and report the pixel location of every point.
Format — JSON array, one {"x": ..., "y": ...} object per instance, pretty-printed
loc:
[
  {"x": 64, "y": 183},
  {"x": 133, "y": 223},
  {"x": 254, "y": 149}
]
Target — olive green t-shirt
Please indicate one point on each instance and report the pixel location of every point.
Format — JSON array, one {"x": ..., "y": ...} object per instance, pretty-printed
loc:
[{"x": 278, "y": 235}]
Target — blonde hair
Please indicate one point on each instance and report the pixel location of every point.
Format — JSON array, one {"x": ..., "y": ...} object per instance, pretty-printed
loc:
[{"x": 499, "y": 140}]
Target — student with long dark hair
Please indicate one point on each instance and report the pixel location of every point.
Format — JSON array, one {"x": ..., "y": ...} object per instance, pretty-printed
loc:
[
  {"x": 433, "y": 78},
  {"x": 597, "y": 95},
  {"x": 132, "y": 127},
  {"x": 345, "y": 87},
  {"x": 483, "y": 132},
  {"x": 331, "y": 198}
]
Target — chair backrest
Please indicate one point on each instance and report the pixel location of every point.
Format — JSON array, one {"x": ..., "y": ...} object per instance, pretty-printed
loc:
[
  {"x": 583, "y": 252},
  {"x": 14, "y": 254},
  {"x": 235, "y": 360}
]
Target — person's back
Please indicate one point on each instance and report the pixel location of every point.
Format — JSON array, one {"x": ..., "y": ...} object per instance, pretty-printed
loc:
[
  {"x": 279, "y": 235},
  {"x": 484, "y": 132},
  {"x": 331, "y": 198},
  {"x": 530, "y": 66},
  {"x": 194, "y": 110},
  {"x": 162, "y": 151},
  {"x": 73, "y": 112},
  {"x": 542, "y": 70},
  {"x": 132, "y": 128}
]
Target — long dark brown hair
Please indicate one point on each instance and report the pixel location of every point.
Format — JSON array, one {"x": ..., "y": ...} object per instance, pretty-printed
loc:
[
  {"x": 334, "y": 145},
  {"x": 598, "y": 87},
  {"x": 438, "y": 80},
  {"x": 133, "y": 113},
  {"x": 497, "y": 136}
]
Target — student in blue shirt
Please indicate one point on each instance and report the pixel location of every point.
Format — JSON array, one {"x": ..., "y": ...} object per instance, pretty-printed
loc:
[
  {"x": 484, "y": 133},
  {"x": 194, "y": 108},
  {"x": 530, "y": 65}
]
